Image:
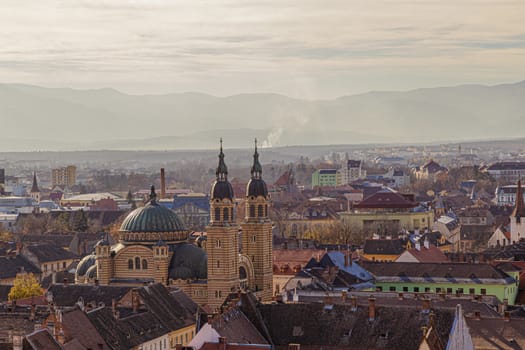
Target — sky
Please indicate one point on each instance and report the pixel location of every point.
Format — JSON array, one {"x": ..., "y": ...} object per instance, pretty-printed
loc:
[{"x": 313, "y": 49}]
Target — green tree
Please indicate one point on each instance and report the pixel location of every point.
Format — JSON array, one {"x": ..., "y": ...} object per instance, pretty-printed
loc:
[{"x": 24, "y": 286}]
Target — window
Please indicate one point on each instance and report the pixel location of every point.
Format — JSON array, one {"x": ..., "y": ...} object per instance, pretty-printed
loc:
[
  {"x": 392, "y": 289},
  {"x": 483, "y": 291},
  {"x": 218, "y": 243},
  {"x": 137, "y": 263},
  {"x": 449, "y": 290},
  {"x": 472, "y": 291},
  {"x": 144, "y": 264},
  {"x": 217, "y": 214},
  {"x": 416, "y": 289},
  {"x": 459, "y": 290},
  {"x": 225, "y": 214},
  {"x": 260, "y": 211},
  {"x": 218, "y": 263},
  {"x": 130, "y": 264},
  {"x": 64, "y": 265},
  {"x": 252, "y": 211},
  {"x": 254, "y": 238},
  {"x": 266, "y": 210},
  {"x": 427, "y": 290},
  {"x": 405, "y": 289}
]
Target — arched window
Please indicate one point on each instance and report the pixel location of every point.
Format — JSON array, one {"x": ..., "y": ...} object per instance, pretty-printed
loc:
[
  {"x": 260, "y": 211},
  {"x": 225, "y": 214},
  {"x": 137, "y": 263},
  {"x": 218, "y": 263},
  {"x": 144, "y": 264},
  {"x": 130, "y": 264},
  {"x": 266, "y": 210},
  {"x": 217, "y": 214},
  {"x": 252, "y": 211}
]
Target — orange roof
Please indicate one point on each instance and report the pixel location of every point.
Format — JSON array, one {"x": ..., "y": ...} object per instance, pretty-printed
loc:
[{"x": 430, "y": 255}]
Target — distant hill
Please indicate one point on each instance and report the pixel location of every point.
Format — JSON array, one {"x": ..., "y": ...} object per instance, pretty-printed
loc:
[{"x": 33, "y": 118}]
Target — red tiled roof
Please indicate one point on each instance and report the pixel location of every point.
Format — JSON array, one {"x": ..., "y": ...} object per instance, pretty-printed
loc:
[
  {"x": 431, "y": 254},
  {"x": 385, "y": 199}
]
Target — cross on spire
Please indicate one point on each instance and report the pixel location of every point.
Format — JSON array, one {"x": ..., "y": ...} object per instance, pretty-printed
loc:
[
  {"x": 256, "y": 167},
  {"x": 222, "y": 169}
]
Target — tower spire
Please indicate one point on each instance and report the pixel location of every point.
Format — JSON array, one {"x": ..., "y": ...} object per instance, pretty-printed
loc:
[
  {"x": 222, "y": 170},
  {"x": 34, "y": 188},
  {"x": 256, "y": 167},
  {"x": 519, "y": 209}
]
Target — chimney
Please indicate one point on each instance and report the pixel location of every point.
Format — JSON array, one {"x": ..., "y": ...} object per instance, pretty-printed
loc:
[
  {"x": 135, "y": 300},
  {"x": 292, "y": 346},
  {"x": 507, "y": 316},
  {"x": 65, "y": 281},
  {"x": 400, "y": 296},
  {"x": 162, "y": 184},
  {"x": 353, "y": 302},
  {"x": 426, "y": 305},
  {"x": 371, "y": 308}
]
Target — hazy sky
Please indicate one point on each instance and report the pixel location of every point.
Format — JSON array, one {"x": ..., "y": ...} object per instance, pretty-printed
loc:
[{"x": 309, "y": 49}]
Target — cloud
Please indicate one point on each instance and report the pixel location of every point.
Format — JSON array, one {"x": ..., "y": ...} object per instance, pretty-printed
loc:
[{"x": 259, "y": 45}]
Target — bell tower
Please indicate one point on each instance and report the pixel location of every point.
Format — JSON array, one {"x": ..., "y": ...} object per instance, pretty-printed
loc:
[
  {"x": 103, "y": 261},
  {"x": 257, "y": 231},
  {"x": 161, "y": 259},
  {"x": 35, "y": 191},
  {"x": 222, "y": 239}
]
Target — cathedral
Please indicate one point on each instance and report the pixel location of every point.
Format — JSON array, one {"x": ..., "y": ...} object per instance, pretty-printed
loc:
[{"x": 153, "y": 246}]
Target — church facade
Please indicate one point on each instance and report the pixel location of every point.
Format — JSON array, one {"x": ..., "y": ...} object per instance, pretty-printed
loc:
[{"x": 153, "y": 246}]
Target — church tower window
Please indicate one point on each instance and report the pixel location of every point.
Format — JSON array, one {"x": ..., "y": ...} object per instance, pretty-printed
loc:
[
  {"x": 225, "y": 215},
  {"x": 137, "y": 263},
  {"x": 130, "y": 264},
  {"x": 144, "y": 264},
  {"x": 217, "y": 214},
  {"x": 260, "y": 211}
]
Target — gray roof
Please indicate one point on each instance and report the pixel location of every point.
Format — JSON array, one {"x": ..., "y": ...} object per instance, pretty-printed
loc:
[{"x": 10, "y": 266}]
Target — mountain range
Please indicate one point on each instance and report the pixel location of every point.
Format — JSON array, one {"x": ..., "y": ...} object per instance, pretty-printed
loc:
[{"x": 38, "y": 118}]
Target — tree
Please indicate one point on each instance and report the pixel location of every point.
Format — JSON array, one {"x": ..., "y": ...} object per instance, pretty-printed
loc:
[
  {"x": 80, "y": 221},
  {"x": 24, "y": 286}
]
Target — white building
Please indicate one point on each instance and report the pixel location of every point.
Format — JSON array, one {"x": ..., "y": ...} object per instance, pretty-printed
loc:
[
  {"x": 510, "y": 171},
  {"x": 506, "y": 195},
  {"x": 351, "y": 170}
]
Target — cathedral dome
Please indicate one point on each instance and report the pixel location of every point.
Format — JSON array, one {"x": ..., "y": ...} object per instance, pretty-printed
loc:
[
  {"x": 188, "y": 262},
  {"x": 221, "y": 190},
  {"x": 152, "y": 218},
  {"x": 84, "y": 265},
  {"x": 256, "y": 187}
]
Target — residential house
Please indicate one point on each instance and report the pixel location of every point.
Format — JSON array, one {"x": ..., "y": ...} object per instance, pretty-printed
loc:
[
  {"x": 49, "y": 257},
  {"x": 431, "y": 170},
  {"x": 11, "y": 266},
  {"x": 288, "y": 262},
  {"x": 425, "y": 252},
  {"x": 382, "y": 249}
]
